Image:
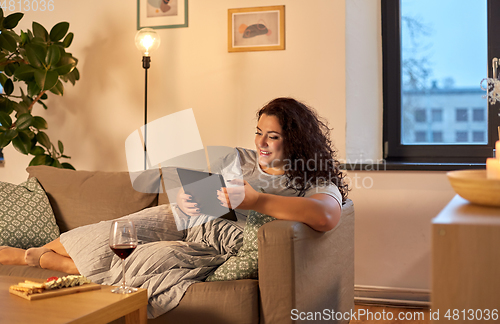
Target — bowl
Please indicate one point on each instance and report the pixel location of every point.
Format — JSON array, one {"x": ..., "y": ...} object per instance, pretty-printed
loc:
[{"x": 473, "y": 186}]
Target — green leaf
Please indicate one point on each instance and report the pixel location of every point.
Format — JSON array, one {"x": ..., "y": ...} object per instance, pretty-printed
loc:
[
  {"x": 13, "y": 34},
  {"x": 73, "y": 76},
  {"x": 6, "y": 105},
  {"x": 49, "y": 160},
  {"x": 11, "y": 133},
  {"x": 8, "y": 87},
  {"x": 36, "y": 55},
  {"x": 12, "y": 20},
  {"x": 44, "y": 96},
  {"x": 39, "y": 123},
  {"x": 43, "y": 139},
  {"x": 38, "y": 41},
  {"x": 45, "y": 80},
  {"x": 56, "y": 164},
  {"x": 8, "y": 42},
  {"x": 40, "y": 31},
  {"x": 33, "y": 89},
  {"x": 24, "y": 37},
  {"x": 66, "y": 64},
  {"x": 53, "y": 55},
  {"x": 43, "y": 104},
  {"x": 68, "y": 40},
  {"x": 25, "y": 72},
  {"x": 58, "y": 89},
  {"x": 66, "y": 165},
  {"x": 20, "y": 107},
  {"x": 37, "y": 150},
  {"x": 11, "y": 68},
  {"x": 3, "y": 78},
  {"x": 22, "y": 143},
  {"x": 58, "y": 31},
  {"x": 61, "y": 147},
  {"x": 24, "y": 121},
  {"x": 5, "y": 119},
  {"x": 4, "y": 141},
  {"x": 38, "y": 160}
]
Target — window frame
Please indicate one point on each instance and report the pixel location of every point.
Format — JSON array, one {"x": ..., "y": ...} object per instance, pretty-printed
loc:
[{"x": 393, "y": 150}]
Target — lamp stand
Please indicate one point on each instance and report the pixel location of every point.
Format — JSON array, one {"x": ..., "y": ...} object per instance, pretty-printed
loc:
[{"x": 146, "y": 63}]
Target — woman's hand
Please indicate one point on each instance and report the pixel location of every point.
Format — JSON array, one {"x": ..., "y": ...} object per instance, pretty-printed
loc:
[
  {"x": 241, "y": 196},
  {"x": 187, "y": 204}
]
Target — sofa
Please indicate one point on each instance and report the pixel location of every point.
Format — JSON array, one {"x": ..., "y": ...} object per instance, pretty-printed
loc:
[{"x": 300, "y": 270}]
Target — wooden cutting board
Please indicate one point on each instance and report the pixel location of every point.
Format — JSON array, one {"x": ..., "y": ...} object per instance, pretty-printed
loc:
[{"x": 56, "y": 292}]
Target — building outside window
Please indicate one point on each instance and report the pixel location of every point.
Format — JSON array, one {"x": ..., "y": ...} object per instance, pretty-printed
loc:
[{"x": 434, "y": 107}]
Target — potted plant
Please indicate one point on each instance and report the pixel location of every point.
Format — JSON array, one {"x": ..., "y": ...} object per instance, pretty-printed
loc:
[{"x": 35, "y": 60}]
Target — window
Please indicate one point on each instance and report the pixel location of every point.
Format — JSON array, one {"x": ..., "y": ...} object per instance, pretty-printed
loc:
[
  {"x": 461, "y": 115},
  {"x": 478, "y": 136},
  {"x": 420, "y": 116},
  {"x": 420, "y": 136},
  {"x": 478, "y": 115},
  {"x": 461, "y": 137},
  {"x": 437, "y": 115},
  {"x": 437, "y": 137},
  {"x": 431, "y": 79}
]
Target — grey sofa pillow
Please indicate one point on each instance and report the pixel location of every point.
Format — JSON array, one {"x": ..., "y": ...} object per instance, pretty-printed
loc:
[{"x": 26, "y": 217}]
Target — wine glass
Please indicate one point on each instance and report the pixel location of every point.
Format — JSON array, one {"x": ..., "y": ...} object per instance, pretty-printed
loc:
[{"x": 123, "y": 241}]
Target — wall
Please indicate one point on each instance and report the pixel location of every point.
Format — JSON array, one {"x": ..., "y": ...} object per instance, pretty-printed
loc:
[
  {"x": 191, "y": 69},
  {"x": 394, "y": 209}
]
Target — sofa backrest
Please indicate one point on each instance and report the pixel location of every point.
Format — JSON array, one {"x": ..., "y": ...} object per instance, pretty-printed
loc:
[{"x": 84, "y": 197}]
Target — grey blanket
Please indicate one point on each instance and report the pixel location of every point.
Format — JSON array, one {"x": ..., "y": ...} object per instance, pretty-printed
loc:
[{"x": 166, "y": 262}]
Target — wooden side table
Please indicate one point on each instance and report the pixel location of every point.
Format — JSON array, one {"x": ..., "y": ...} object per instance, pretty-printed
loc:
[
  {"x": 465, "y": 263},
  {"x": 92, "y": 307}
]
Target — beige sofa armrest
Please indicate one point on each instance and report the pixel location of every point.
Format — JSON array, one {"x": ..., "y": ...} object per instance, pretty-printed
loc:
[{"x": 304, "y": 270}]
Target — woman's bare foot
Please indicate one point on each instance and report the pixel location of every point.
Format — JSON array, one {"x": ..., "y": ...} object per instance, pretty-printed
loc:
[
  {"x": 12, "y": 255},
  {"x": 33, "y": 255}
]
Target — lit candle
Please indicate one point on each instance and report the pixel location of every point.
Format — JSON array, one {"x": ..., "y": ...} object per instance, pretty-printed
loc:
[
  {"x": 497, "y": 150},
  {"x": 493, "y": 168}
]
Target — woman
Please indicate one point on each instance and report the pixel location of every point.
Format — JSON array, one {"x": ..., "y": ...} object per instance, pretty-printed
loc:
[{"x": 293, "y": 167}]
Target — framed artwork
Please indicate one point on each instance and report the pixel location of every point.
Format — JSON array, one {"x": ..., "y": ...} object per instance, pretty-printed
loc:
[
  {"x": 162, "y": 13},
  {"x": 256, "y": 29}
]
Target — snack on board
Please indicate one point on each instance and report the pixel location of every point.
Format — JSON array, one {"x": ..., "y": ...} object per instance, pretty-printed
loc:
[
  {"x": 67, "y": 281},
  {"x": 30, "y": 287}
]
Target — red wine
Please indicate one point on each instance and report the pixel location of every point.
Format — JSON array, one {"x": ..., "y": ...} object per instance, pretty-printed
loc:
[{"x": 123, "y": 250}]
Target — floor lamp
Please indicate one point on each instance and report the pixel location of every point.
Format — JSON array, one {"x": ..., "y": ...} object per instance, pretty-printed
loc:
[{"x": 146, "y": 40}]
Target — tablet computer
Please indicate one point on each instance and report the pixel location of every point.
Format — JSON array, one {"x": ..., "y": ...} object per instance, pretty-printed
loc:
[{"x": 203, "y": 186}]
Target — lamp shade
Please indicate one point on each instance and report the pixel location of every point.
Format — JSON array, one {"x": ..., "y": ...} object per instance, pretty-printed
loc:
[{"x": 147, "y": 40}]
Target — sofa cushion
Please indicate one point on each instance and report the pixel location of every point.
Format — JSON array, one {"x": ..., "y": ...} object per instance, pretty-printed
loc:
[
  {"x": 26, "y": 218},
  {"x": 28, "y": 272},
  {"x": 85, "y": 197},
  {"x": 224, "y": 302},
  {"x": 244, "y": 265}
]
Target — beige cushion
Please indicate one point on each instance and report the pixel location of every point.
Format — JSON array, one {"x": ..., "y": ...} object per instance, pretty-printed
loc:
[
  {"x": 220, "y": 302},
  {"x": 84, "y": 197}
]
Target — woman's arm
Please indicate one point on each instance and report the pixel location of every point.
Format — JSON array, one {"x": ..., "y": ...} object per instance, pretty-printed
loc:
[{"x": 319, "y": 211}]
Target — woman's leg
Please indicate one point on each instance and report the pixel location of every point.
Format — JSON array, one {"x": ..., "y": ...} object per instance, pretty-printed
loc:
[
  {"x": 12, "y": 255},
  {"x": 52, "y": 256}
]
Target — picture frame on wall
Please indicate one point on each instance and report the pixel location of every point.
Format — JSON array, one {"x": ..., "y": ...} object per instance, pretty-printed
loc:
[
  {"x": 162, "y": 13},
  {"x": 256, "y": 29}
]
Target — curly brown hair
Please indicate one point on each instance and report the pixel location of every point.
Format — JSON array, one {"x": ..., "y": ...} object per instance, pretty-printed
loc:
[{"x": 306, "y": 141}]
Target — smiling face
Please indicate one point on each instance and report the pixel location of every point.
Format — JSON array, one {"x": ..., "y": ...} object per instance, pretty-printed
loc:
[{"x": 269, "y": 144}]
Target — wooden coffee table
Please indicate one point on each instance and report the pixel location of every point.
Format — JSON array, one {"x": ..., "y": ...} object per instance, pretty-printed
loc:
[{"x": 96, "y": 306}]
